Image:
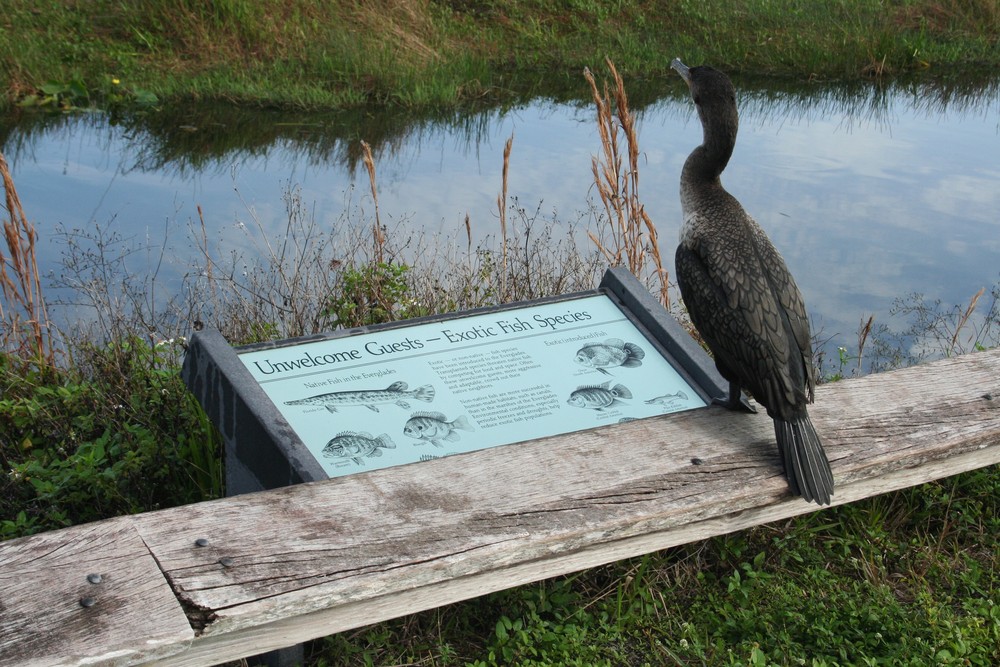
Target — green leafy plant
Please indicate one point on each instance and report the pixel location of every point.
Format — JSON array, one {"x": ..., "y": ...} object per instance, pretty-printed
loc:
[
  {"x": 372, "y": 294},
  {"x": 122, "y": 435},
  {"x": 75, "y": 95}
]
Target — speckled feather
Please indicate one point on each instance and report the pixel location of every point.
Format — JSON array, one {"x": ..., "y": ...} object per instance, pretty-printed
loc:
[{"x": 740, "y": 294}]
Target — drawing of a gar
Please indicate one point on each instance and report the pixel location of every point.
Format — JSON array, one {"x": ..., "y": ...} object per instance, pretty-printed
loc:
[{"x": 395, "y": 393}]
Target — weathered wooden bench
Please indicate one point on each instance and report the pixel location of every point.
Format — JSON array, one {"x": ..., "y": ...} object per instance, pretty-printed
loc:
[{"x": 219, "y": 580}]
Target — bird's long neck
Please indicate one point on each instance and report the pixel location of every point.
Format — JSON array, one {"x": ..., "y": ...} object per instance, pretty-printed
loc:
[{"x": 706, "y": 162}]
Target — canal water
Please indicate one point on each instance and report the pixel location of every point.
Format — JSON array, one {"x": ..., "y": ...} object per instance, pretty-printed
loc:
[{"x": 871, "y": 192}]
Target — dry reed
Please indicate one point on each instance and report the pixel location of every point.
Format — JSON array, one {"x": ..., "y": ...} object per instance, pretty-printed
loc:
[
  {"x": 378, "y": 231},
  {"x": 502, "y": 207},
  {"x": 631, "y": 238},
  {"x": 963, "y": 320},
  {"x": 27, "y": 330}
]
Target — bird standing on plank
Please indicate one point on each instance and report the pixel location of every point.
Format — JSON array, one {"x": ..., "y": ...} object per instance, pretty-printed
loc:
[{"x": 741, "y": 296}]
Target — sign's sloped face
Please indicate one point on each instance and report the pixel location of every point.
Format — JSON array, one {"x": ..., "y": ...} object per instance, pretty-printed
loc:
[{"x": 407, "y": 394}]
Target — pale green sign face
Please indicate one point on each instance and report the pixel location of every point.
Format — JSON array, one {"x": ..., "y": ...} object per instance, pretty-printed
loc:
[{"x": 409, "y": 394}]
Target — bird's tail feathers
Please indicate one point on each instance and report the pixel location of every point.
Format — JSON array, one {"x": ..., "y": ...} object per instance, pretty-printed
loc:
[{"x": 806, "y": 466}]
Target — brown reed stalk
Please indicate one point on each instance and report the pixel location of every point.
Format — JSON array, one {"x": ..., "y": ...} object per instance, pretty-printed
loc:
[
  {"x": 632, "y": 235},
  {"x": 502, "y": 206},
  {"x": 379, "y": 235},
  {"x": 863, "y": 333},
  {"x": 963, "y": 319},
  {"x": 377, "y": 275},
  {"x": 27, "y": 328}
]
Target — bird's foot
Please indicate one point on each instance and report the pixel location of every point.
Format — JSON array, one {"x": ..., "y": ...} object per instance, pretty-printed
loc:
[{"x": 735, "y": 401}]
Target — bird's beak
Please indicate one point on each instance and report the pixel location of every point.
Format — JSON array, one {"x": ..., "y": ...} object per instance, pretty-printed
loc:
[{"x": 682, "y": 69}]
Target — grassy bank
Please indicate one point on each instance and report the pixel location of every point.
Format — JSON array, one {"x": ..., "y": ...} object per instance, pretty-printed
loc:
[{"x": 438, "y": 52}]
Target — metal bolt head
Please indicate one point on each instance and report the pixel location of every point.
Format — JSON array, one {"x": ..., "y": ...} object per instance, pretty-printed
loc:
[
  {"x": 226, "y": 561},
  {"x": 95, "y": 578},
  {"x": 86, "y": 602},
  {"x": 201, "y": 542}
]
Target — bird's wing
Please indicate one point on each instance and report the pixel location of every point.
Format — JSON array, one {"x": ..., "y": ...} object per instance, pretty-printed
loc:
[
  {"x": 729, "y": 296},
  {"x": 792, "y": 304}
]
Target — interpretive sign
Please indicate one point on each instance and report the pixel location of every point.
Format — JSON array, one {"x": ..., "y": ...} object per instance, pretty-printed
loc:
[
  {"x": 398, "y": 396},
  {"x": 388, "y": 395}
]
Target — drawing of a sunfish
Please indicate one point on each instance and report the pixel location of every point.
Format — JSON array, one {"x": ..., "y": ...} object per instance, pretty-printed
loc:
[
  {"x": 598, "y": 397},
  {"x": 357, "y": 446},
  {"x": 434, "y": 427},
  {"x": 668, "y": 399},
  {"x": 609, "y": 354},
  {"x": 394, "y": 393}
]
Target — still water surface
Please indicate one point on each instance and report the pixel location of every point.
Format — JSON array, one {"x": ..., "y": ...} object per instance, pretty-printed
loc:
[{"x": 870, "y": 193}]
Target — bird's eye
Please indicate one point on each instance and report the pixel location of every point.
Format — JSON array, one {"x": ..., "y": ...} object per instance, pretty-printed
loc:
[{"x": 697, "y": 99}]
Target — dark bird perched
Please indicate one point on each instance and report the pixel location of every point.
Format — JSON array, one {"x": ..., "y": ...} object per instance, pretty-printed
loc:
[{"x": 740, "y": 295}]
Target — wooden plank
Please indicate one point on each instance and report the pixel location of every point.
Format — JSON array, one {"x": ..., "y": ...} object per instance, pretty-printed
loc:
[
  {"x": 284, "y": 566},
  {"x": 131, "y": 614}
]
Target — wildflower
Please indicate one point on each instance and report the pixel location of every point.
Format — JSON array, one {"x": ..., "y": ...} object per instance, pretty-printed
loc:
[{"x": 115, "y": 81}]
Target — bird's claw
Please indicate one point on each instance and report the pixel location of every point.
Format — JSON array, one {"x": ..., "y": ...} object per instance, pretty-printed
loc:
[{"x": 739, "y": 402}]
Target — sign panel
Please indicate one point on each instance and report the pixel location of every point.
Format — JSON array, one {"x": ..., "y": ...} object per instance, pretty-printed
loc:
[{"x": 407, "y": 394}]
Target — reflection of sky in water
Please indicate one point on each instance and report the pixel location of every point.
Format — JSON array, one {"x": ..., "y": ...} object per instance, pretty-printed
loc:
[{"x": 865, "y": 207}]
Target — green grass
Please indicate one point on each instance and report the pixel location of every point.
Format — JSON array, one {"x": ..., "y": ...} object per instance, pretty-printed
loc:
[{"x": 313, "y": 54}]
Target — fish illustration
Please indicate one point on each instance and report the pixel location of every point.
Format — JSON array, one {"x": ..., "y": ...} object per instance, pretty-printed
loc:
[
  {"x": 598, "y": 397},
  {"x": 357, "y": 446},
  {"x": 434, "y": 427},
  {"x": 668, "y": 400},
  {"x": 394, "y": 393},
  {"x": 611, "y": 353}
]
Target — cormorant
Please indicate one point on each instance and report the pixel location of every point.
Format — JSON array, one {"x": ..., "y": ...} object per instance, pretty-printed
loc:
[{"x": 741, "y": 296}]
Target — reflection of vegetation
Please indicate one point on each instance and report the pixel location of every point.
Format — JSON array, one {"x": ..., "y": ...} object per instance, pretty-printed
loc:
[
  {"x": 933, "y": 330},
  {"x": 918, "y": 330},
  {"x": 206, "y": 136}
]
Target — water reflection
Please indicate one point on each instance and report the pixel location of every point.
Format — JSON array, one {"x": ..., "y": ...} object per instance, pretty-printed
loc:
[{"x": 870, "y": 191}]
